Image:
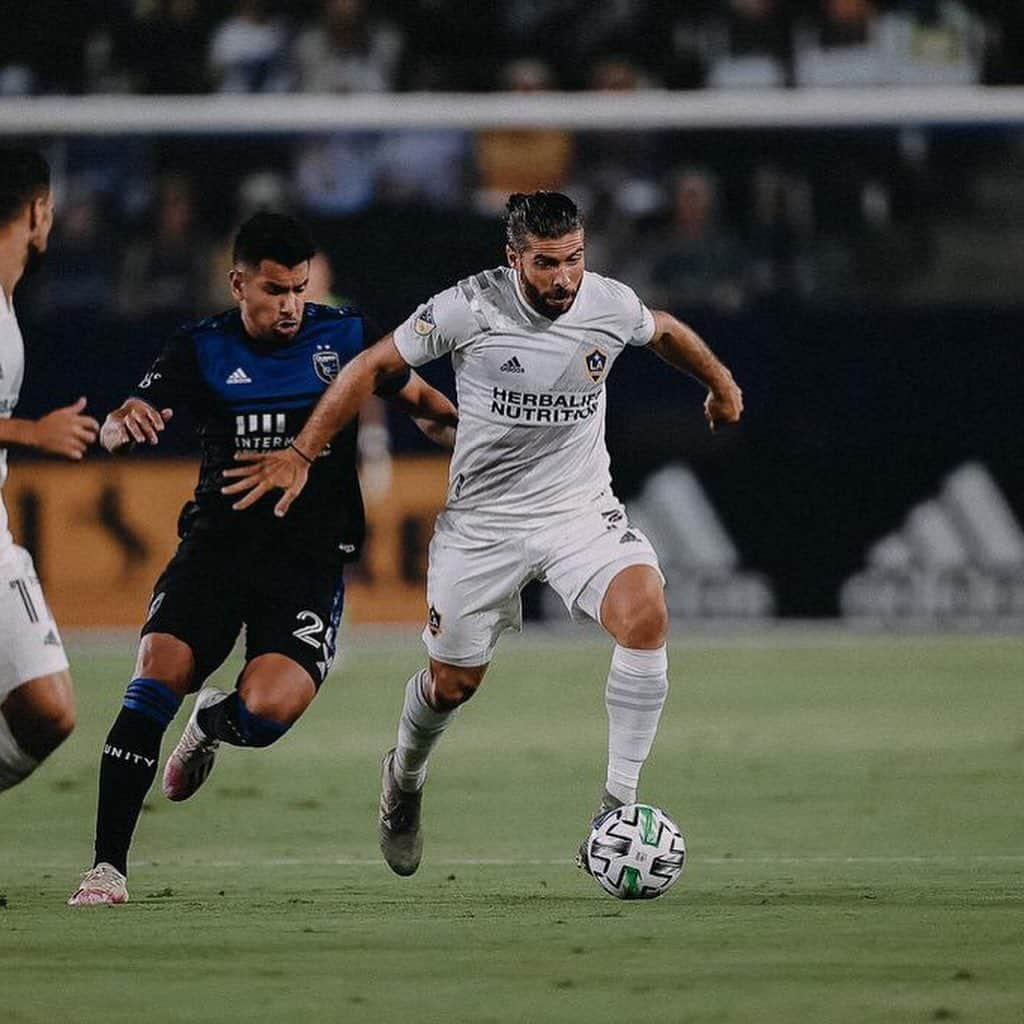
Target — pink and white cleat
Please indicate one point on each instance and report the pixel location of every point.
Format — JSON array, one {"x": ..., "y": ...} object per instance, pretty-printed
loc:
[
  {"x": 191, "y": 761},
  {"x": 103, "y": 884}
]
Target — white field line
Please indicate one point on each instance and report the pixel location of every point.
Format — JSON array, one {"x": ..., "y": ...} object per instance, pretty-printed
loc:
[{"x": 291, "y": 862}]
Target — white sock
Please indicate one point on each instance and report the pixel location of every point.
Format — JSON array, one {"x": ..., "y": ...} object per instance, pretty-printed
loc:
[
  {"x": 419, "y": 728},
  {"x": 15, "y": 764},
  {"x": 634, "y": 696}
]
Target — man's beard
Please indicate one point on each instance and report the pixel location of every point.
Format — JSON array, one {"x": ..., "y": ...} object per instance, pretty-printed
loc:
[
  {"x": 34, "y": 259},
  {"x": 539, "y": 303}
]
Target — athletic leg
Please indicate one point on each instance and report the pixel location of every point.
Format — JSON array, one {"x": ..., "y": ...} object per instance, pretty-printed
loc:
[
  {"x": 37, "y": 705},
  {"x": 633, "y": 612},
  {"x": 606, "y": 570},
  {"x": 291, "y": 614},
  {"x": 432, "y": 696},
  {"x": 35, "y": 718},
  {"x": 164, "y": 674},
  {"x": 193, "y": 622}
]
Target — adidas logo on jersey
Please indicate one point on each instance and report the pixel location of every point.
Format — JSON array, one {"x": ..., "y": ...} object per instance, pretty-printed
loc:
[
  {"x": 512, "y": 366},
  {"x": 51, "y": 640},
  {"x": 238, "y": 377}
]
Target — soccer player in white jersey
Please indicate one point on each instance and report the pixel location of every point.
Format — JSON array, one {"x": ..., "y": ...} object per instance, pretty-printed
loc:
[
  {"x": 37, "y": 710},
  {"x": 530, "y": 493}
]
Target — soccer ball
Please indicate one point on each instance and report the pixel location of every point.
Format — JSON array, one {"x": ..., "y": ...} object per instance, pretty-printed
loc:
[{"x": 636, "y": 852}]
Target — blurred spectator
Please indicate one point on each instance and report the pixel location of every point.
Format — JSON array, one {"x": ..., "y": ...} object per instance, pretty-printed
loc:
[
  {"x": 347, "y": 51},
  {"x": 932, "y": 42},
  {"x": 80, "y": 271},
  {"x": 841, "y": 46},
  {"x": 336, "y": 175},
  {"x": 166, "y": 46},
  {"x": 617, "y": 171},
  {"x": 695, "y": 260},
  {"x": 751, "y": 46},
  {"x": 248, "y": 52},
  {"x": 162, "y": 274},
  {"x": 423, "y": 166},
  {"x": 781, "y": 226},
  {"x": 522, "y": 159}
]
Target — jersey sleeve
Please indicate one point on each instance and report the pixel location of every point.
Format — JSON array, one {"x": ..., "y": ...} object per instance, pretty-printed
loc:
[
  {"x": 393, "y": 384},
  {"x": 438, "y": 326},
  {"x": 639, "y": 320},
  {"x": 174, "y": 378}
]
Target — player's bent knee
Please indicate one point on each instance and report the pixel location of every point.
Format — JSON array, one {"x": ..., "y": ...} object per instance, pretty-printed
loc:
[
  {"x": 644, "y": 628},
  {"x": 640, "y": 626},
  {"x": 282, "y": 708},
  {"x": 276, "y": 689},
  {"x": 453, "y": 686},
  {"x": 41, "y": 713}
]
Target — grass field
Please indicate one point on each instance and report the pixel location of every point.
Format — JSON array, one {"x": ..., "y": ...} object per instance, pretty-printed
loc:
[{"x": 852, "y": 807}]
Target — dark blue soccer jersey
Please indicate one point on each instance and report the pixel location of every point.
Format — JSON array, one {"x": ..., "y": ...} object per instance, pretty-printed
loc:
[{"x": 252, "y": 396}]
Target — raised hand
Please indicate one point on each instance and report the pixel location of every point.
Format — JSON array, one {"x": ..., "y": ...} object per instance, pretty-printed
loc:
[
  {"x": 286, "y": 470},
  {"x": 724, "y": 403},
  {"x": 65, "y": 431},
  {"x": 135, "y": 422}
]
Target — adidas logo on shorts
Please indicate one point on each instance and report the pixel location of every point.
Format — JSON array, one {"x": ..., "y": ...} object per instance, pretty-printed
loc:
[
  {"x": 239, "y": 376},
  {"x": 51, "y": 640},
  {"x": 512, "y": 366}
]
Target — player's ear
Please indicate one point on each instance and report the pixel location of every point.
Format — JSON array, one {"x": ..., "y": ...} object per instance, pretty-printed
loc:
[
  {"x": 513, "y": 256},
  {"x": 237, "y": 278}
]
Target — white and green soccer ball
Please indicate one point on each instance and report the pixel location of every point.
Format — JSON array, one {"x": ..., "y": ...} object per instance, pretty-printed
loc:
[{"x": 636, "y": 852}]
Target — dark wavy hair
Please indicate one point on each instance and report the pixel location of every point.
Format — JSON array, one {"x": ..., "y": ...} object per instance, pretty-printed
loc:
[
  {"x": 541, "y": 214},
  {"x": 275, "y": 237},
  {"x": 24, "y": 176}
]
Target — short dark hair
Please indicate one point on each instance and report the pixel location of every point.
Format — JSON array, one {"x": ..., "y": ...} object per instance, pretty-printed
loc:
[
  {"x": 273, "y": 236},
  {"x": 541, "y": 214},
  {"x": 24, "y": 176}
]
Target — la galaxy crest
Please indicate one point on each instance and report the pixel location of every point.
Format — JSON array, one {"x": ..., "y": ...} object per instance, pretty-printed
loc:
[
  {"x": 327, "y": 364},
  {"x": 434, "y": 621},
  {"x": 597, "y": 363}
]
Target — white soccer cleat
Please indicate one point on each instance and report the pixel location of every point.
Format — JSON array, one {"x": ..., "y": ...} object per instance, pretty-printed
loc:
[
  {"x": 191, "y": 761},
  {"x": 103, "y": 884}
]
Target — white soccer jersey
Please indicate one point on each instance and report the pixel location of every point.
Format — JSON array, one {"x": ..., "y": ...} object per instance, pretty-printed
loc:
[
  {"x": 531, "y": 391},
  {"x": 12, "y": 368}
]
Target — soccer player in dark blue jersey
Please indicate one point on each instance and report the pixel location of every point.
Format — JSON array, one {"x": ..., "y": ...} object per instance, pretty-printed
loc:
[{"x": 250, "y": 376}]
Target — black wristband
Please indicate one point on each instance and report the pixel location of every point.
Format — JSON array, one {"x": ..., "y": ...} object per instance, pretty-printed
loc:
[{"x": 301, "y": 455}]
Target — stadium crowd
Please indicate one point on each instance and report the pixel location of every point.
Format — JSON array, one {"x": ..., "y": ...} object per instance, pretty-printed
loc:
[
  {"x": 726, "y": 220},
  {"x": 342, "y": 46}
]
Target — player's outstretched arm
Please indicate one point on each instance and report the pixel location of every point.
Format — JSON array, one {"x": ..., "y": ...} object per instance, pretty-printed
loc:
[
  {"x": 66, "y": 431},
  {"x": 287, "y": 470},
  {"x": 431, "y": 411},
  {"x": 134, "y": 422},
  {"x": 681, "y": 347}
]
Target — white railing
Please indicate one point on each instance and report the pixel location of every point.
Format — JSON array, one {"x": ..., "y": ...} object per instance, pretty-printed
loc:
[{"x": 838, "y": 108}]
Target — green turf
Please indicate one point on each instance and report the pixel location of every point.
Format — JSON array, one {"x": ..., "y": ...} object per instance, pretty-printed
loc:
[{"x": 852, "y": 809}]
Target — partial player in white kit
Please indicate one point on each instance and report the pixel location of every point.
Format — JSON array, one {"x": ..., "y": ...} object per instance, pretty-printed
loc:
[
  {"x": 530, "y": 493},
  {"x": 37, "y": 711}
]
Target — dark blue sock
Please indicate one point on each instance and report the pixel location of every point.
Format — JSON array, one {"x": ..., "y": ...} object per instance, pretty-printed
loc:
[
  {"x": 231, "y": 721},
  {"x": 128, "y": 766}
]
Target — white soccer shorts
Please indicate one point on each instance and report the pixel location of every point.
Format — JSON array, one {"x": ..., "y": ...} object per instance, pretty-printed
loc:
[
  {"x": 30, "y": 645},
  {"x": 478, "y": 567}
]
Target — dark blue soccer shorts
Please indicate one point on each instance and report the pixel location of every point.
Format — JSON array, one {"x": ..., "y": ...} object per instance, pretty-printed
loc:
[{"x": 212, "y": 588}]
